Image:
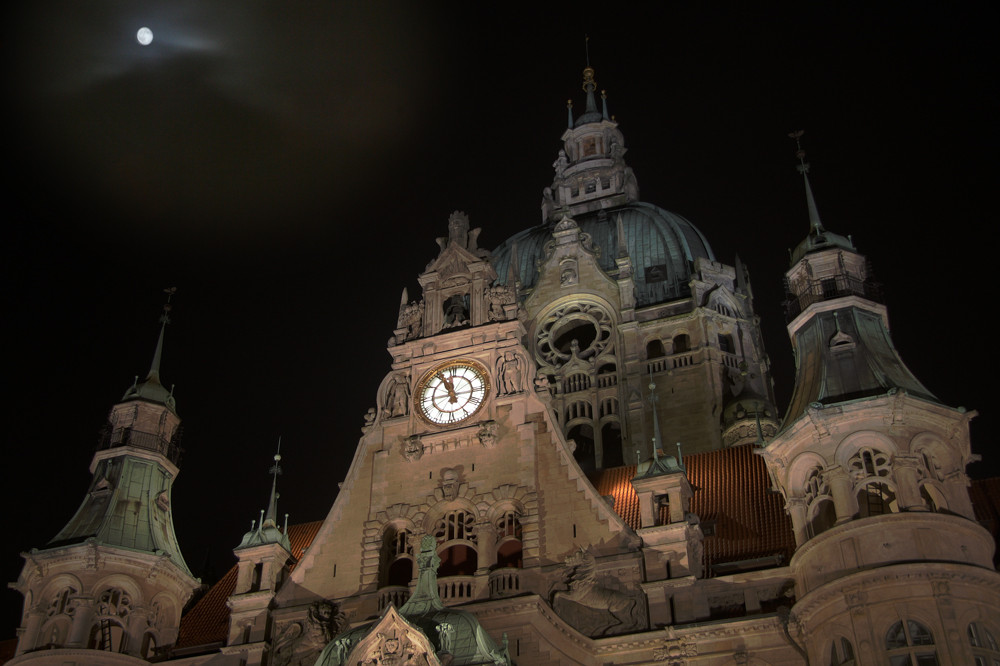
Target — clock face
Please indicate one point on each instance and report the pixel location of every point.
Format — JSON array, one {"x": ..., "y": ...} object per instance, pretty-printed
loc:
[{"x": 453, "y": 392}]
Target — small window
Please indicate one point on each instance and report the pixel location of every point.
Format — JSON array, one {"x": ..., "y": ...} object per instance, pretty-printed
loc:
[
  {"x": 682, "y": 343},
  {"x": 726, "y": 344},
  {"x": 910, "y": 644},
  {"x": 984, "y": 646},
  {"x": 841, "y": 652},
  {"x": 654, "y": 349}
]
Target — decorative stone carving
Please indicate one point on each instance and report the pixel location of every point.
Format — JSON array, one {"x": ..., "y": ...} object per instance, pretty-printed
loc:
[
  {"x": 412, "y": 449},
  {"x": 410, "y": 318},
  {"x": 592, "y": 608},
  {"x": 488, "y": 434},
  {"x": 397, "y": 398},
  {"x": 446, "y": 636},
  {"x": 568, "y": 274},
  {"x": 498, "y": 297},
  {"x": 449, "y": 483},
  {"x": 370, "y": 416},
  {"x": 297, "y": 642},
  {"x": 675, "y": 652},
  {"x": 510, "y": 373}
]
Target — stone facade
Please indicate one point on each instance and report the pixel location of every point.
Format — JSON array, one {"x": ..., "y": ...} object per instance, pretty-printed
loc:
[{"x": 523, "y": 443}]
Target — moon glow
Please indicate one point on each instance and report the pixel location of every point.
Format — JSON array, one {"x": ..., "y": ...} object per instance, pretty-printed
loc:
[{"x": 145, "y": 36}]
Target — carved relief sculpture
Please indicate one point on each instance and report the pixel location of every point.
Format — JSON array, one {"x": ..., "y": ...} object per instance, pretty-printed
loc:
[
  {"x": 593, "y": 608},
  {"x": 412, "y": 449},
  {"x": 488, "y": 434}
]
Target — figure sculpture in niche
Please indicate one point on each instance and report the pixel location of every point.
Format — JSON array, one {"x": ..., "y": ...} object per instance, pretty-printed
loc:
[
  {"x": 456, "y": 310},
  {"x": 398, "y": 397},
  {"x": 510, "y": 373}
]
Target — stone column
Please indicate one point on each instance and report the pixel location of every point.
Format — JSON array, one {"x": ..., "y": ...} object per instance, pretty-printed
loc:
[
  {"x": 138, "y": 622},
  {"x": 32, "y": 623},
  {"x": 796, "y": 507},
  {"x": 83, "y": 620},
  {"x": 844, "y": 501},
  {"x": 905, "y": 469},
  {"x": 956, "y": 489},
  {"x": 486, "y": 543}
]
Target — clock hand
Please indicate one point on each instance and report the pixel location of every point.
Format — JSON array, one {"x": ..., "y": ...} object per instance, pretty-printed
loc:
[{"x": 450, "y": 387}]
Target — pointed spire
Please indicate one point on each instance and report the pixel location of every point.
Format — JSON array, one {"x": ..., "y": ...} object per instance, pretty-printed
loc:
[
  {"x": 154, "y": 367},
  {"x": 267, "y": 531},
  {"x": 604, "y": 104},
  {"x": 815, "y": 225},
  {"x": 272, "y": 505},
  {"x": 569, "y": 113}
]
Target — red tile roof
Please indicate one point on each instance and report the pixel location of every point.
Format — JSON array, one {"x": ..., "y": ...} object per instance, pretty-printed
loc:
[
  {"x": 731, "y": 493},
  {"x": 208, "y": 620}
]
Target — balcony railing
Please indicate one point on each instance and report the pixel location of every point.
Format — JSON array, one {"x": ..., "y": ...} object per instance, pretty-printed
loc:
[
  {"x": 457, "y": 589},
  {"x": 147, "y": 441},
  {"x": 395, "y": 594},
  {"x": 505, "y": 583},
  {"x": 827, "y": 289}
]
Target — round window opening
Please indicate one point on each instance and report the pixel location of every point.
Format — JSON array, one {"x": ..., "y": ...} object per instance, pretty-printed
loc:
[{"x": 583, "y": 331}]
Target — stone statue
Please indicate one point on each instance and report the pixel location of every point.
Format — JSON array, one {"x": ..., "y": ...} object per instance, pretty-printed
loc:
[
  {"x": 446, "y": 636},
  {"x": 592, "y": 608},
  {"x": 456, "y": 311},
  {"x": 510, "y": 373},
  {"x": 398, "y": 397},
  {"x": 499, "y": 296},
  {"x": 560, "y": 164}
]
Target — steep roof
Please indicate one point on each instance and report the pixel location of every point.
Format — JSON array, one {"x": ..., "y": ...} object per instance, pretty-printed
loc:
[
  {"x": 207, "y": 622},
  {"x": 731, "y": 497}
]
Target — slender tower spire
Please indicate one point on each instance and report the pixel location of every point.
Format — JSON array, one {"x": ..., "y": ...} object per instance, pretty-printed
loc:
[{"x": 815, "y": 225}]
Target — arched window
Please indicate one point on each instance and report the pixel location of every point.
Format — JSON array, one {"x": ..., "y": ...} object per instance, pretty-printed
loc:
[
  {"x": 396, "y": 557},
  {"x": 113, "y": 608},
  {"x": 60, "y": 603},
  {"x": 509, "y": 549},
  {"x": 654, "y": 349},
  {"x": 841, "y": 652},
  {"x": 455, "y": 532},
  {"x": 984, "y": 647},
  {"x": 682, "y": 343},
  {"x": 876, "y": 499},
  {"x": 910, "y": 643}
]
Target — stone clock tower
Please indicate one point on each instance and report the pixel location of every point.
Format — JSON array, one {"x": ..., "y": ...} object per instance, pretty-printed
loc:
[{"x": 463, "y": 449}]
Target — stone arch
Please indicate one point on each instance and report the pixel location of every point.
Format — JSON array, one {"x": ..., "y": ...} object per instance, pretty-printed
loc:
[
  {"x": 854, "y": 442},
  {"x": 723, "y": 302},
  {"x": 799, "y": 470},
  {"x": 938, "y": 457},
  {"x": 121, "y": 581},
  {"x": 54, "y": 632}
]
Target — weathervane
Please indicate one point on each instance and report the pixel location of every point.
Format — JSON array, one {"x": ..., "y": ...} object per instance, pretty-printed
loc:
[
  {"x": 799, "y": 153},
  {"x": 165, "y": 317}
]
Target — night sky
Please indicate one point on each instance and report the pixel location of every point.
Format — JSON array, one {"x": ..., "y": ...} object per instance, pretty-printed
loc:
[{"x": 287, "y": 166}]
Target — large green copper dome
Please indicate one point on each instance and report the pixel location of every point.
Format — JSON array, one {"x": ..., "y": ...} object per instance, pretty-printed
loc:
[{"x": 661, "y": 245}]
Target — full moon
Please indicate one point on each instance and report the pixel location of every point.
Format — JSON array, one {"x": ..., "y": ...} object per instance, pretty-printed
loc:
[{"x": 145, "y": 36}]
